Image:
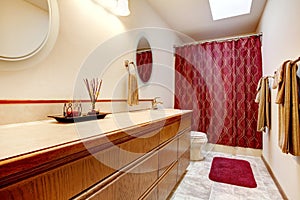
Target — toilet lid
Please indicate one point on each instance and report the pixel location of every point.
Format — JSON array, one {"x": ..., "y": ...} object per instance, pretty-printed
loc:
[{"x": 196, "y": 134}]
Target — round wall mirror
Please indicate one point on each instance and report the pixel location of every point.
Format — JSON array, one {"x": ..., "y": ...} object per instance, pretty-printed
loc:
[
  {"x": 24, "y": 28},
  {"x": 144, "y": 59}
]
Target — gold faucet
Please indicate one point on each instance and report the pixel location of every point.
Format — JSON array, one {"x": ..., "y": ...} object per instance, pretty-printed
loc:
[{"x": 155, "y": 103}]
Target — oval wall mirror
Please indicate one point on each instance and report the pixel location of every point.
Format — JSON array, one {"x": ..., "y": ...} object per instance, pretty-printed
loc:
[
  {"x": 24, "y": 28},
  {"x": 144, "y": 59}
]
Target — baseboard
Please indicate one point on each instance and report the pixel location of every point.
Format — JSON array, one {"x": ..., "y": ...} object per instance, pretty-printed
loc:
[
  {"x": 274, "y": 178},
  {"x": 233, "y": 150}
]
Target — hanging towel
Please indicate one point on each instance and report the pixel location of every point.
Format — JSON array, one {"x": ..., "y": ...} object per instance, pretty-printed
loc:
[
  {"x": 279, "y": 83},
  {"x": 278, "y": 77},
  {"x": 288, "y": 100},
  {"x": 133, "y": 92},
  {"x": 263, "y": 99}
]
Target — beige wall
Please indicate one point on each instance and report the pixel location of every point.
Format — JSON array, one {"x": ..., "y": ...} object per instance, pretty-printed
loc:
[
  {"x": 281, "y": 41},
  {"x": 90, "y": 34}
]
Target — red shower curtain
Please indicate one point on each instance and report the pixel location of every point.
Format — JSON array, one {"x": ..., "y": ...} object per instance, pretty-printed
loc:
[{"x": 218, "y": 81}]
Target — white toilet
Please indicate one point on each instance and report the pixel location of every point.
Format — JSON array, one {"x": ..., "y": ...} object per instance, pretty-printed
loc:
[{"x": 198, "y": 141}]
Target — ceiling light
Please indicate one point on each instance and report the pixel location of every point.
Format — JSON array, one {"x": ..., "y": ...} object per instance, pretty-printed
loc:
[
  {"x": 122, "y": 8},
  {"x": 221, "y": 9},
  {"x": 117, "y": 7}
]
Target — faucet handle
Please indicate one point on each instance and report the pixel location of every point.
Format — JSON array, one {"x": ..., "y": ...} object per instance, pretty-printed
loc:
[
  {"x": 155, "y": 99},
  {"x": 155, "y": 102}
]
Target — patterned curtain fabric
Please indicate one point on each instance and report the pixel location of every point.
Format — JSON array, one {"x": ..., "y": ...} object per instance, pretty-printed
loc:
[
  {"x": 218, "y": 80},
  {"x": 144, "y": 64}
]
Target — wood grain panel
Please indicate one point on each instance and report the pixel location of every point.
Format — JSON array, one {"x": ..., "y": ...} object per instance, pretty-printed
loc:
[
  {"x": 130, "y": 183},
  {"x": 184, "y": 142},
  {"x": 65, "y": 181},
  {"x": 137, "y": 147},
  {"x": 183, "y": 163},
  {"x": 166, "y": 185},
  {"x": 185, "y": 121},
  {"x": 167, "y": 155},
  {"x": 177, "y": 126},
  {"x": 107, "y": 193},
  {"x": 169, "y": 131},
  {"x": 151, "y": 195},
  {"x": 135, "y": 182}
]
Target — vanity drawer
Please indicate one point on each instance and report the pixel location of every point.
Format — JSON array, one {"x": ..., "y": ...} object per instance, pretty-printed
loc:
[
  {"x": 137, "y": 147},
  {"x": 184, "y": 142},
  {"x": 168, "y": 132},
  {"x": 128, "y": 183},
  {"x": 183, "y": 152},
  {"x": 174, "y": 128},
  {"x": 183, "y": 163},
  {"x": 140, "y": 178},
  {"x": 168, "y": 182},
  {"x": 167, "y": 155}
]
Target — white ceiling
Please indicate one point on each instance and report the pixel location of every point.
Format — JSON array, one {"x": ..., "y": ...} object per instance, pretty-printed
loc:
[{"x": 193, "y": 18}]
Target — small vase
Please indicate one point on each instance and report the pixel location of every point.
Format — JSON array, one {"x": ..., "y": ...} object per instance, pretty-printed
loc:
[
  {"x": 93, "y": 105},
  {"x": 93, "y": 110}
]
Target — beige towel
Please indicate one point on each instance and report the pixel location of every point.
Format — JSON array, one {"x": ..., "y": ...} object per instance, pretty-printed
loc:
[
  {"x": 133, "y": 91},
  {"x": 288, "y": 100},
  {"x": 257, "y": 98},
  {"x": 278, "y": 77},
  {"x": 263, "y": 99},
  {"x": 279, "y": 83}
]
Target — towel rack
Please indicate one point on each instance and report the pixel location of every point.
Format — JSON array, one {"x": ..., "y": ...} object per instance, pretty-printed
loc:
[{"x": 127, "y": 63}]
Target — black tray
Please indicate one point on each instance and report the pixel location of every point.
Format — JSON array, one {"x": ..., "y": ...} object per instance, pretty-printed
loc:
[{"x": 64, "y": 119}]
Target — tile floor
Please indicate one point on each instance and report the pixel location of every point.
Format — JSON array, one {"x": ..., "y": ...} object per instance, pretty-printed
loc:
[{"x": 197, "y": 186}]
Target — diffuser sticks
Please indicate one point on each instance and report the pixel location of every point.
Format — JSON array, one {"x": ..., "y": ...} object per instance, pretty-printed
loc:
[{"x": 93, "y": 86}]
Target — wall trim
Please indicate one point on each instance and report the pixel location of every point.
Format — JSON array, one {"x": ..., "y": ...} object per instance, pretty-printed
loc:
[
  {"x": 52, "y": 101},
  {"x": 274, "y": 178}
]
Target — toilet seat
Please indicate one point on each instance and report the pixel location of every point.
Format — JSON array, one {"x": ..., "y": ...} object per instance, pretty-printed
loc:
[{"x": 198, "y": 137}]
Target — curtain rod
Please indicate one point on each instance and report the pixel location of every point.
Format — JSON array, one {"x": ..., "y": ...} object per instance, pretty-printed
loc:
[{"x": 219, "y": 40}]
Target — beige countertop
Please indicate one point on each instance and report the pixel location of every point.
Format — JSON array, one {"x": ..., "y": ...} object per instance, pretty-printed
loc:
[{"x": 23, "y": 138}]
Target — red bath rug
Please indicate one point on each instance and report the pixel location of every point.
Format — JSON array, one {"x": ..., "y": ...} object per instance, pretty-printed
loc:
[{"x": 232, "y": 171}]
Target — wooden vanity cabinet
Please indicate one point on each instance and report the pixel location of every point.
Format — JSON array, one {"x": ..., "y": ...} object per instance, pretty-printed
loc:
[
  {"x": 143, "y": 162},
  {"x": 183, "y": 152}
]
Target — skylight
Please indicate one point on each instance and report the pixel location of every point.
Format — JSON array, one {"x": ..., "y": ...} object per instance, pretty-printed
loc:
[{"x": 221, "y": 9}]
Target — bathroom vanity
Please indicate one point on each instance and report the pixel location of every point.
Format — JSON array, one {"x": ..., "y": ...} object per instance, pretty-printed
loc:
[{"x": 134, "y": 155}]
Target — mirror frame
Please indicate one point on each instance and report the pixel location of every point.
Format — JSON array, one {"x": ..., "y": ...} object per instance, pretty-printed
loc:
[
  {"x": 11, "y": 64},
  {"x": 38, "y": 48},
  {"x": 144, "y": 59}
]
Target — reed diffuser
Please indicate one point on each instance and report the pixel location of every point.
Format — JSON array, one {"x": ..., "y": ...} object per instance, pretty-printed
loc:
[{"x": 93, "y": 86}]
